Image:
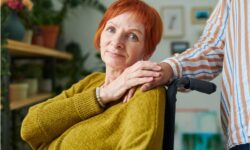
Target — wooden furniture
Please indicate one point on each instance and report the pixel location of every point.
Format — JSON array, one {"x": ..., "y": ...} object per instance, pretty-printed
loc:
[
  {"x": 21, "y": 50},
  {"x": 14, "y": 105}
]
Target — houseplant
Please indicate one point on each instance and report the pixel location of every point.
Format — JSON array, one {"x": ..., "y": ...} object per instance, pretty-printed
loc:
[
  {"x": 29, "y": 73},
  {"x": 50, "y": 21},
  {"x": 15, "y": 17}
]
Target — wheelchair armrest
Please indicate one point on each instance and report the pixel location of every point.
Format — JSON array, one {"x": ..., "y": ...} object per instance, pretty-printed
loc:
[{"x": 198, "y": 85}]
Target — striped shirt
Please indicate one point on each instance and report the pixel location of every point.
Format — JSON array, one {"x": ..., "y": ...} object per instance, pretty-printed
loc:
[{"x": 224, "y": 48}]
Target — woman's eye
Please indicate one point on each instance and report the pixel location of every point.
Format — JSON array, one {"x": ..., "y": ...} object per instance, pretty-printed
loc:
[
  {"x": 111, "y": 29},
  {"x": 133, "y": 37}
]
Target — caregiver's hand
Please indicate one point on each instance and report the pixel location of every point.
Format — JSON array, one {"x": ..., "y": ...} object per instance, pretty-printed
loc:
[
  {"x": 166, "y": 75},
  {"x": 140, "y": 73}
]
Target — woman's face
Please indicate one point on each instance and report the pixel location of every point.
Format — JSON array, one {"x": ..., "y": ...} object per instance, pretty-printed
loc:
[{"x": 122, "y": 41}]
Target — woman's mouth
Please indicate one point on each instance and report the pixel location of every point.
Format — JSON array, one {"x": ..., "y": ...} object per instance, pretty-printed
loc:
[{"x": 113, "y": 54}]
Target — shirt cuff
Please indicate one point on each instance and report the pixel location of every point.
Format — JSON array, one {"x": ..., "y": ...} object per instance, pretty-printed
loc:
[{"x": 176, "y": 66}]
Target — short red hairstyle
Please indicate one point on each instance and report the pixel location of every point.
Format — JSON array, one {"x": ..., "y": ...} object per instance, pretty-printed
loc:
[{"x": 146, "y": 14}]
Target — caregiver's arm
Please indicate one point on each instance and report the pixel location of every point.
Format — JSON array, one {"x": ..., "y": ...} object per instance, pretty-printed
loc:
[{"x": 202, "y": 61}]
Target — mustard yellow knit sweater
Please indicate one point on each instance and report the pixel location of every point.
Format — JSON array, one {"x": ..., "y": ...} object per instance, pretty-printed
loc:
[{"x": 73, "y": 120}]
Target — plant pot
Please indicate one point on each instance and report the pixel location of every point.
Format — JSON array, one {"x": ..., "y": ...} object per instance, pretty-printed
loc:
[
  {"x": 37, "y": 38},
  {"x": 45, "y": 85},
  {"x": 13, "y": 27},
  {"x": 49, "y": 34},
  {"x": 32, "y": 86},
  {"x": 28, "y": 36},
  {"x": 18, "y": 91}
]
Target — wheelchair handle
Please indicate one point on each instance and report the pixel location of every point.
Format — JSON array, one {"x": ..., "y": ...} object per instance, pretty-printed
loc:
[{"x": 195, "y": 84}]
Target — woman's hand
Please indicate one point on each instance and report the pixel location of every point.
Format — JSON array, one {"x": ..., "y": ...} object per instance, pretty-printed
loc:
[
  {"x": 140, "y": 73},
  {"x": 166, "y": 73}
]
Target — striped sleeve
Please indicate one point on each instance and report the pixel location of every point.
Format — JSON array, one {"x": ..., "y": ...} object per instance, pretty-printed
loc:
[{"x": 204, "y": 59}]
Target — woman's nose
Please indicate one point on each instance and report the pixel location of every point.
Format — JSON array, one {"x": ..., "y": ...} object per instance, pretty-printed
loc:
[{"x": 118, "y": 41}]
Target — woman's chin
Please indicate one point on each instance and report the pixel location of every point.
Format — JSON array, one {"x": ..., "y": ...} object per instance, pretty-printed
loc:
[{"x": 116, "y": 64}]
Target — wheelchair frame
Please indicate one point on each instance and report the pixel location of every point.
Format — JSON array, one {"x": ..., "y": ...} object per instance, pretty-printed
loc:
[{"x": 169, "y": 120}]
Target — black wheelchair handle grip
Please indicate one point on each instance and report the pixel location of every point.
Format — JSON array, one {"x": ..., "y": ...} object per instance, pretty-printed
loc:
[{"x": 198, "y": 85}]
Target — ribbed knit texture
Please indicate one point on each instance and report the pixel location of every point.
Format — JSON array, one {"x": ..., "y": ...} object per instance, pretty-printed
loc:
[{"x": 74, "y": 120}]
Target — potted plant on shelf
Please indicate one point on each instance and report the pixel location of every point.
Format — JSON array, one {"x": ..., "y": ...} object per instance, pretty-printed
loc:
[
  {"x": 47, "y": 26},
  {"x": 14, "y": 16},
  {"x": 29, "y": 73},
  {"x": 49, "y": 21},
  {"x": 33, "y": 73}
]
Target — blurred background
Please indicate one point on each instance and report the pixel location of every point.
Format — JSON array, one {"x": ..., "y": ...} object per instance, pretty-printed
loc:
[{"x": 47, "y": 45}]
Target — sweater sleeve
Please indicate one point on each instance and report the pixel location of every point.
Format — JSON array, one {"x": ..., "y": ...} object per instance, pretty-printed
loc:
[
  {"x": 48, "y": 120},
  {"x": 144, "y": 121},
  {"x": 204, "y": 60}
]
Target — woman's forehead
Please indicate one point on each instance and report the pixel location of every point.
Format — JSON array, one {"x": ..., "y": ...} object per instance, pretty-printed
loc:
[{"x": 128, "y": 20}]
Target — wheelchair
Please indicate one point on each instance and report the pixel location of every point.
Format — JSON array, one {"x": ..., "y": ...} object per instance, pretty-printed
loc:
[{"x": 169, "y": 121}]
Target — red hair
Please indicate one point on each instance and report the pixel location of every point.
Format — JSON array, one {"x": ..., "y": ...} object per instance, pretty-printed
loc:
[{"x": 146, "y": 14}]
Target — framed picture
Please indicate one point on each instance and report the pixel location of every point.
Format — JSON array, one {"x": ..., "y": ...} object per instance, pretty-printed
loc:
[
  {"x": 200, "y": 14},
  {"x": 172, "y": 17},
  {"x": 179, "y": 47}
]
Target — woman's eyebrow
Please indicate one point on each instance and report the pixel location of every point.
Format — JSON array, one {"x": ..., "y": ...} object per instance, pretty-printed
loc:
[
  {"x": 111, "y": 23},
  {"x": 135, "y": 28}
]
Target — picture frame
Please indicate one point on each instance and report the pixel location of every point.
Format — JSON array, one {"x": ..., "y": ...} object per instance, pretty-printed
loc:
[
  {"x": 172, "y": 17},
  {"x": 178, "y": 47},
  {"x": 200, "y": 14}
]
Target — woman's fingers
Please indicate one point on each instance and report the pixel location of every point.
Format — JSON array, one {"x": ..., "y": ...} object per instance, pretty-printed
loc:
[
  {"x": 143, "y": 69},
  {"x": 145, "y": 65},
  {"x": 129, "y": 94},
  {"x": 125, "y": 98},
  {"x": 144, "y": 73},
  {"x": 150, "y": 85},
  {"x": 138, "y": 81},
  {"x": 140, "y": 73}
]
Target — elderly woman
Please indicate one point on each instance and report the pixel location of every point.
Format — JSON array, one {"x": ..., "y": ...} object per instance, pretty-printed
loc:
[{"x": 90, "y": 115}]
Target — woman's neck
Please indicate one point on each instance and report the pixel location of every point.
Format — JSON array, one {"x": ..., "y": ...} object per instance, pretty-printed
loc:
[{"x": 112, "y": 74}]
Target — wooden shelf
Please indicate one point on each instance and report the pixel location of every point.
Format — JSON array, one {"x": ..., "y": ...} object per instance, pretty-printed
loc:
[
  {"x": 22, "y": 49},
  {"x": 25, "y": 102}
]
